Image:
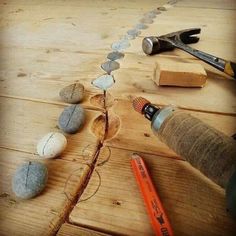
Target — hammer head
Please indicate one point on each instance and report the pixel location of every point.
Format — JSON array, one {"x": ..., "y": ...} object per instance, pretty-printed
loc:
[{"x": 153, "y": 45}]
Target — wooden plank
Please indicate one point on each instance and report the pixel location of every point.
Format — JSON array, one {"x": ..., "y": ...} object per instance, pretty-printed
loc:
[
  {"x": 194, "y": 204},
  {"x": 23, "y": 123},
  {"x": 89, "y": 28},
  {"x": 43, "y": 214},
  {"x": 41, "y": 75},
  {"x": 135, "y": 132},
  {"x": 135, "y": 79},
  {"x": 72, "y": 230}
]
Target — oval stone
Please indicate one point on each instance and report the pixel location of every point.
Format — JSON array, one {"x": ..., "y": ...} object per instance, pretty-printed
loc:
[
  {"x": 51, "y": 145},
  {"x": 29, "y": 180},
  {"x": 72, "y": 119},
  {"x": 73, "y": 93}
]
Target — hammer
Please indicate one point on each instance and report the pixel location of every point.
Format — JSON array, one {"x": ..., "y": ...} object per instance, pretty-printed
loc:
[{"x": 153, "y": 45}]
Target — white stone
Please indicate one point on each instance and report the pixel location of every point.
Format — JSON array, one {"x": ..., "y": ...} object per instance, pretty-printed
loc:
[
  {"x": 51, "y": 145},
  {"x": 104, "y": 82}
]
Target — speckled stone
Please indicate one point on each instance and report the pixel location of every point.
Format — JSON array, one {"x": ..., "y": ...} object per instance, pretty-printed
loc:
[
  {"x": 109, "y": 66},
  {"x": 120, "y": 45},
  {"x": 73, "y": 93},
  {"x": 104, "y": 82},
  {"x": 51, "y": 145},
  {"x": 29, "y": 180},
  {"x": 72, "y": 119},
  {"x": 115, "y": 55}
]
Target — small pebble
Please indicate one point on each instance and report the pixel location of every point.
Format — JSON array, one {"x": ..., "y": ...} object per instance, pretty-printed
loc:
[
  {"x": 146, "y": 20},
  {"x": 162, "y": 9},
  {"x": 115, "y": 55},
  {"x": 29, "y": 180},
  {"x": 133, "y": 32},
  {"x": 150, "y": 14},
  {"x": 72, "y": 119},
  {"x": 120, "y": 45},
  {"x": 141, "y": 26},
  {"x": 73, "y": 93},
  {"x": 104, "y": 82},
  {"x": 51, "y": 145},
  {"x": 109, "y": 66}
]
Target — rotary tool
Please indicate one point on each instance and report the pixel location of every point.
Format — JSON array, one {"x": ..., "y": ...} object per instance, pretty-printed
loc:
[{"x": 205, "y": 148}]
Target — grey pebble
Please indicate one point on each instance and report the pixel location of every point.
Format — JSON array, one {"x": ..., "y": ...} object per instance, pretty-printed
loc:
[
  {"x": 115, "y": 55},
  {"x": 73, "y": 93},
  {"x": 29, "y": 180},
  {"x": 120, "y": 45},
  {"x": 146, "y": 20},
  {"x": 133, "y": 33},
  {"x": 141, "y": 26},
  {"x": 150, "y": 14},
  {"x": 109, "y": 66},
  {"x": 71, "y": 119}
]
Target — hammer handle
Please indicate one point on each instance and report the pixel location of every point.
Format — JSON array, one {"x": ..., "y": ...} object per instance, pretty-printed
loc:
[{"x": 227, "y": 67}]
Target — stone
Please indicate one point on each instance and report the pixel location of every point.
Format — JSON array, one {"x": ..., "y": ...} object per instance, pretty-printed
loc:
[
  {"x": 72, "y": 119},
  {"x": 73, "y": 93},
  {"x": 120, "y": 45},
  {"x": 150, "y": 14},
  {"x": 115, "y": 55},
  {"x": 51, "y": 145},
  {"x": 133, "y": 33},
  {"x": 29, "y": 179},
  {"x": 104, "y": 82},
  {"x": 141, "y": 26},
  {"x": 146, "y": 20},
  {"x": 109, "y": 66}
]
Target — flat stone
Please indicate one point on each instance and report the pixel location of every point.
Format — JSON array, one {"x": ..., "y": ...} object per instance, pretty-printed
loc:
[
  {"x": 29, "y": 179},
  {"x": 115, "y": 55},
  {"x": 133, "y": 33},
  {"x": 146, "y": 20},
  {"x": 73, "y": 93},
  {"x": 51, "y": 145},
  {"x": 120, "y": 45},
  {"x": 109, "y": 66},
  {"x": 150, "y": 14},
  {"x": 141, "y": 26},
  {"x": 72, "y": 119},
  {"x": 104, "y": 82}
]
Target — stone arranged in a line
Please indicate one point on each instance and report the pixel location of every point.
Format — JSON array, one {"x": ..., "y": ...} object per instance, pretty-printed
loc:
[
  {"x": 29, "y": 179},
  {"x": 51, "y": 145},
  {"x": 73, "y": 93},
  {"x": 110, "y": 66},
  {"x": 72, "y": 119},
  {"x": 104, "y": 82},
  {"x": 115, "y": 55}
]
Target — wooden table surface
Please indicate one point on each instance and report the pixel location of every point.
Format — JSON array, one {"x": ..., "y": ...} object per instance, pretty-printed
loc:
[{"x": 46, "y": 45}]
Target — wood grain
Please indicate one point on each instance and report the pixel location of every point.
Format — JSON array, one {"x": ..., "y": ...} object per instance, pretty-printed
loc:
[{"x": 194, "y": 204}]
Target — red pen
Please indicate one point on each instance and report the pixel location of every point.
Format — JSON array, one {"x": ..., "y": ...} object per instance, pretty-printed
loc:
[{"x": 158, "y": 217}]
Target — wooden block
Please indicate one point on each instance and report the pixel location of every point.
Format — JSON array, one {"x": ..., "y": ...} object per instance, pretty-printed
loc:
[{"x": 179, "y": 74}]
